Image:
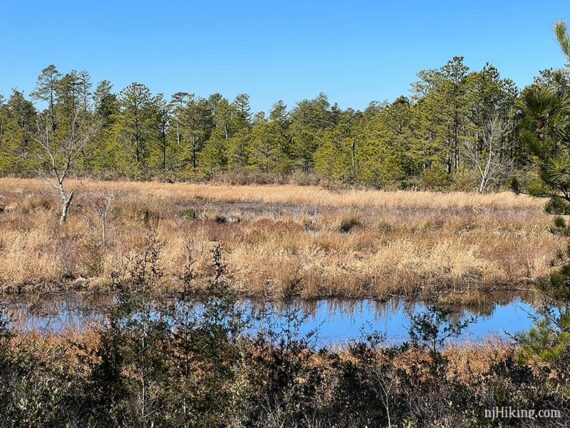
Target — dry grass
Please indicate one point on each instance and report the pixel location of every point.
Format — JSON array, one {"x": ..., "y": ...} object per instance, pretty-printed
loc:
[{"x": 279, "y": 240}]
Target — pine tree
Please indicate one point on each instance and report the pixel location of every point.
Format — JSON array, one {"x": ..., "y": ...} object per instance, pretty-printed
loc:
[
  {"x": 162, "y": 152},
  {"x": 46, "y": 88},
  {"x": 308, "y": 119},
  {"x": 443, "y": 110},
  {"x": 106, "y": 153},
  {"x": 197, "y": 123},
  {"x": 17, "y": 123},
  {"x": 268, "y": 148},
  {"x": 213, "y": 156},
  {"x": 136, "y": 123}
]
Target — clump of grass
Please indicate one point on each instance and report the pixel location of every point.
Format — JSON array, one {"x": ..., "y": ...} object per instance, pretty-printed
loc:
[
  {"x": 354, "y": 243},
  {"x": 559, "y": 226},
  {"x": 189, "y": 214},
  {"x": 220, "y": 219},
  {"x": 346, "y": 225},
  {"x": 34, "y": 202}
]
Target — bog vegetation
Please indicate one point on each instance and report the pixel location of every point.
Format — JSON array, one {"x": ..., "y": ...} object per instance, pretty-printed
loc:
[
  {"x": 193, "y": 360},
  {"x": 156, "y": 363},
  {"x": 280, "y": 241}
]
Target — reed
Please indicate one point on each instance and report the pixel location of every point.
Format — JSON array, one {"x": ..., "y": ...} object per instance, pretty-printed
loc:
[{"x": 278, "y": 240}]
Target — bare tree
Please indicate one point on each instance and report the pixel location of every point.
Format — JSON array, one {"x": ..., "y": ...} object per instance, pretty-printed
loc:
[
  {"x": 59, "y": 149},
  {"x": 490, "y": 154},
  {"x": 101, "y": 204}
]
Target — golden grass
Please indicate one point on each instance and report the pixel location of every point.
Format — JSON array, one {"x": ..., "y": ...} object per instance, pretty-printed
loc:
[{"x": 280, "y": 240}]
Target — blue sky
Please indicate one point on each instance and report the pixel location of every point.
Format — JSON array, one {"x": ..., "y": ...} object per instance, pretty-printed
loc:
[{"x": 355, "y": 51}]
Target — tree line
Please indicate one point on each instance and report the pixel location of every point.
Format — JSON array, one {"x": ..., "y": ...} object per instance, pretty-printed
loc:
[{"x": 459, "y": 128}]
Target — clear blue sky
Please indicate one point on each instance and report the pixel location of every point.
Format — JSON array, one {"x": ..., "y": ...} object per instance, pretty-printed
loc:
[{"x": 355, "y": 51}]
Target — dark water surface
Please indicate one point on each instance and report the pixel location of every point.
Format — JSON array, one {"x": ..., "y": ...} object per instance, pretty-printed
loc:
[{"x": 337, "y": 321}]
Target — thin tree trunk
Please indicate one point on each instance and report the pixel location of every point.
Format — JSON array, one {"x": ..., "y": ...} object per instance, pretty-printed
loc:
[
  {"x": 65, "y": 207},
  {"x": 194, "y": 153},
  {"x": 163, "y": 149},
  {"x": 353, "y": 159}
]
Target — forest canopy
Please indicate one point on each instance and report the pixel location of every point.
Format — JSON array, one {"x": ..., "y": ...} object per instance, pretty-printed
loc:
[{"x": 458, "y": 129}]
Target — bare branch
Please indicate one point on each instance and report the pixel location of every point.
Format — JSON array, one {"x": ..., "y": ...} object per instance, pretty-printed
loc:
[
  {"x": 60, "y": 149},
  {"x": 488, "y": 155}
]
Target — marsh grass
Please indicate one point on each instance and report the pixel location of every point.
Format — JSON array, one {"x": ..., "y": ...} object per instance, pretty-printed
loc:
[{"x": 279, "y": 240}]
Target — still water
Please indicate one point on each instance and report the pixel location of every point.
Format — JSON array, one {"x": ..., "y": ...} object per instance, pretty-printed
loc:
[{"x": 337, "y": 322}]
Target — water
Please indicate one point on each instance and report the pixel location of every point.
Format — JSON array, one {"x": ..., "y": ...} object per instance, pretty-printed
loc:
[
  {"x": 340, "y": 322},
  {"x": 337, "y": 322}
]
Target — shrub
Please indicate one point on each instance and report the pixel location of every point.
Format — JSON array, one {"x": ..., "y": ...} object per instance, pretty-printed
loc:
[{"x": 348, "y": 224}]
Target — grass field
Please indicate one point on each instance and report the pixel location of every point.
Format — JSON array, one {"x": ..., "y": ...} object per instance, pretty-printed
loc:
[{"x": 277, "y": 240}]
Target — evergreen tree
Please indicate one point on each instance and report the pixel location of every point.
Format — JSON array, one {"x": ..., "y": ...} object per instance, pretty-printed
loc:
[
  {"x": 437, "y": 138},
  {"x": 213, "y": 156},
  {"x": 161, "y": 123},
  {"x": 105, "y": 153},
  {"x": 443, "y": 110},
  {"x": 268, "y": 148},
  {"x": 242, "y": 115},
  {"x": 237, "y": 148},
  {"x": 136, "y": 122},
  {"x": 308, "y": 119},
  {"x": 197, "y": 124},
  {"x": 177, "y": 103},
  {"x": 46, "y": 88},
  {"x": 17, "y": 123}
]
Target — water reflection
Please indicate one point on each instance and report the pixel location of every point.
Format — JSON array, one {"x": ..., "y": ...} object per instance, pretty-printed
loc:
[{"x": 337, "y": 321}]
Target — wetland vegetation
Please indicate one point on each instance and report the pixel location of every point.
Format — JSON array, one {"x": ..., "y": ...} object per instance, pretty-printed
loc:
[{"x": 192, "y": 241}]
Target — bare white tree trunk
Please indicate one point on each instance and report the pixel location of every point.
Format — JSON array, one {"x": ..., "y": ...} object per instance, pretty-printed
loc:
[
  {"x": 60, "y": 153},
  {"x": 486, "y": 158},
  {"x": 65, "y": 207}
]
